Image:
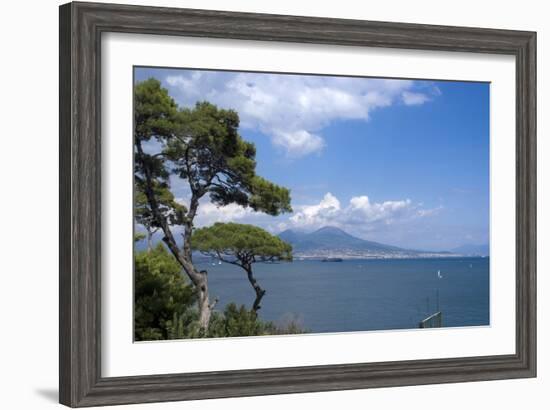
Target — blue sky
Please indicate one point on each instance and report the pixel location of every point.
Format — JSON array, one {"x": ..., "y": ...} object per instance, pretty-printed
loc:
[{"x": 395, "y": 161}]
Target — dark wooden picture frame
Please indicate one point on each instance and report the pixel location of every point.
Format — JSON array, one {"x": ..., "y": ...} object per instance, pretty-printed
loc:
[{"x": 81, "y": 27}]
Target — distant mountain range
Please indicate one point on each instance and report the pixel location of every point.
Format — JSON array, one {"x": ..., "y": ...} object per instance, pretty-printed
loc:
[{"x": 332, "y": 242}]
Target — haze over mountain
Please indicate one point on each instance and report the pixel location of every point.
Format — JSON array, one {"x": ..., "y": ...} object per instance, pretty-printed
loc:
[
  {"x": 334, "y": 242},
  {"x": 472, "y": 250}
]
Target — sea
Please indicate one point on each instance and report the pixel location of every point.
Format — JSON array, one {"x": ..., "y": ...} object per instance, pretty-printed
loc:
[{"x": 360, "y": 295}]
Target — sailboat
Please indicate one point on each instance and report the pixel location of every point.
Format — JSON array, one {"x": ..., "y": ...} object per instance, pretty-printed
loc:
[{"x": 439, "y": 275}]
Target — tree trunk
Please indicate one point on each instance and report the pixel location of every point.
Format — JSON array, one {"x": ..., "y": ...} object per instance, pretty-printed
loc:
[
  {"x": 259, "y": 291},
  {"x": 200, "y": 281},
  {"x": 183, "y": 256},
  {"x": 188, "y": 227},
  {"x": 205, "y": 309},
  {"x": 149, "y": 240}
]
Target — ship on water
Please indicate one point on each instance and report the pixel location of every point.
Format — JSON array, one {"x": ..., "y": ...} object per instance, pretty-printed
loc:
[{"x": 331, "y": 260}]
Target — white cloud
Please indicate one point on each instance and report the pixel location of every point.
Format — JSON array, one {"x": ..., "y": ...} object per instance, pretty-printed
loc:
[
  {"x": 298, "y": 143},
  {"x": 293, "y": 109},
  {"x": 209, "y": 213},
  {"x": 361, "y": 214},
  {"x": 412, "y": 98},
  {"x": 326, "y": 210},
  {"x": 361, "y": 209},
  {"x": 397, "y": 222},
  {"x": 428, "y": 212}
]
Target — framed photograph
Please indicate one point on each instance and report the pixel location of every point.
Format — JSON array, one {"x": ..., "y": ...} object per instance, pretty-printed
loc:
[{"x": 259, "y": 204}]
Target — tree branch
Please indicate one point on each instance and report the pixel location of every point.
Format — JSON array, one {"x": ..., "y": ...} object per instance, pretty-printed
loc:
[
  {"x": 220, "y": 257},
  {"x": 161, "y": 220},
  {"x": 214, "y": 303}
]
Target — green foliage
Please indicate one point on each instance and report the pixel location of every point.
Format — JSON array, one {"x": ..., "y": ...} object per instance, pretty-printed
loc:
[
  {"x": 201, "y": 145},
  {"x": 155, "y": 111},
  {"x": 160, "y": 293},
  {"x": 242, "y": 245},
  {"x": 246, "y": 243},
  {"x": 139, "y": 237},
  {"x": 165, "y": 305},
  {"x": 155, "y": 115},
  {"x": 234, "y": 321},
  {"x": 184, "y": 326},
  {"x": 166, "y": 203},
  {"x": 209, "y": 152},
  {"x": 268, "y": 197},
  {"x": 238, "y": 321}
]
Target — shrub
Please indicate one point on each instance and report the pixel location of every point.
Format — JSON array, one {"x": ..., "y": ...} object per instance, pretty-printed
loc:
[
  {"x": 165, "y": 306},
  {"x": 160, "y": 292}
]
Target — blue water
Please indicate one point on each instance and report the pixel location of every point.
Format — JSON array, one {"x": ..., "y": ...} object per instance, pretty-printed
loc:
[{"x": 356, "y": 295}]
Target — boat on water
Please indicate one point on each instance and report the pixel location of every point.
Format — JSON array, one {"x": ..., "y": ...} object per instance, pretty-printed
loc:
[{"x": 332, "y": 260}]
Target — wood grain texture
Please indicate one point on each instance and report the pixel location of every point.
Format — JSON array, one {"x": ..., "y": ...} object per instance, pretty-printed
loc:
[{"x": 81, "y": 25}]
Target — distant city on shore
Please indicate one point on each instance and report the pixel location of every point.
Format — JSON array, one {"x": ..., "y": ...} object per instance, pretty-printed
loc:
[{"x": 332, "y": 242}]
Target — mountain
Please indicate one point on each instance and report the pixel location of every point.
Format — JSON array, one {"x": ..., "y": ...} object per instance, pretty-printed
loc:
[
  {"x": 334, "y": 242},
  {"x": 330, "y": 238},
  {"x": 472, "y": 250}
]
